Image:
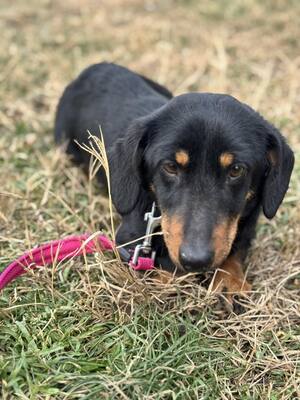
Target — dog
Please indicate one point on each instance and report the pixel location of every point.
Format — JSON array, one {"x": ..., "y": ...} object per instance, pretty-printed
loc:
[{"x": 209, "y": 162}]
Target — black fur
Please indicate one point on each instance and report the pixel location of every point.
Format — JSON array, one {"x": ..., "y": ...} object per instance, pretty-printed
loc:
[{"x": 144, "y": 127}]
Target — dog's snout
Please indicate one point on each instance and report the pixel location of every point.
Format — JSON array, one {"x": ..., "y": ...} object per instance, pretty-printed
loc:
[{"x": 195, "y": 259}]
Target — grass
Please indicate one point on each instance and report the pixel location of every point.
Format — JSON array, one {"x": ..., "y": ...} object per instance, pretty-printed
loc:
[{"x": 90, "y": 328}]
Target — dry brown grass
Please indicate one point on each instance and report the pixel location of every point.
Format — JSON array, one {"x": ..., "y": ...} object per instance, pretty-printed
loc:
[{"x": 248, "y": 49}]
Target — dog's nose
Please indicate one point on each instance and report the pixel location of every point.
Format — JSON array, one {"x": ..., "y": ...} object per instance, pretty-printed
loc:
[{"x": 193, "y": 260}]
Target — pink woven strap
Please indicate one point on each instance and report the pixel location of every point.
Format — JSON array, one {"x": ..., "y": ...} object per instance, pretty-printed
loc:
[
  {"x": 55, "y": 251},
  {"x": 60, "y": 250}
]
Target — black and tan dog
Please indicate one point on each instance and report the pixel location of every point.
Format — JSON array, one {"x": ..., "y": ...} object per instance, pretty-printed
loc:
[{"x": 210, "y": 163}]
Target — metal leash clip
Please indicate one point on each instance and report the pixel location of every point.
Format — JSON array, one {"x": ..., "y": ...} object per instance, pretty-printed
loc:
[{"x": 146, "y": 247}]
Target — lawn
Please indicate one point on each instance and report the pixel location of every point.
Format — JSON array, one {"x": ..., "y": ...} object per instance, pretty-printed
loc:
[{"x": 90, "y": 328}]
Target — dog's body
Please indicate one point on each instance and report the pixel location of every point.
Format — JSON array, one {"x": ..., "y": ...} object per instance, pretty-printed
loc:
[{"x": 208, "y": 161}]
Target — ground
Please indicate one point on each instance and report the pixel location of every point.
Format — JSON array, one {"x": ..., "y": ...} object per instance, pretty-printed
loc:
[{"x": 89, "y": 328}]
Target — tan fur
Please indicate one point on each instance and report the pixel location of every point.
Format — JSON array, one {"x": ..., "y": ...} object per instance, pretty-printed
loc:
[
  {"x": 230, "y": 277},
  {"x": 250, "y": 195},
  {"x": 182, "y": 157},
  {"x": 172, "y": 228},
  {"x": 272, "y": 156},
  {"x": 163, "y": 277},
  {"x": 223, "y": 237},
  {"x": 226, "y": 159}
]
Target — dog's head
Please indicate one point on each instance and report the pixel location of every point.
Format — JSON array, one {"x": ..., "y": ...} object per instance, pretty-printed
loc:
[{"x": 209, "y": 160}]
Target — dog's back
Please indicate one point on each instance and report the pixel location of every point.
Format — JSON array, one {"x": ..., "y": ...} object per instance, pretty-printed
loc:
[{"x": 108, "y": 96}]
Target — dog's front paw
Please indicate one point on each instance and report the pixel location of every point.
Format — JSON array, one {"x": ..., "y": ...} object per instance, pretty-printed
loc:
[{"x": 230, "y": 282}]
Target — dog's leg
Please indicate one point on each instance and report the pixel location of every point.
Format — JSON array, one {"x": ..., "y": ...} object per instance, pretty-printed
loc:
[{"x": 231, "y": 281}]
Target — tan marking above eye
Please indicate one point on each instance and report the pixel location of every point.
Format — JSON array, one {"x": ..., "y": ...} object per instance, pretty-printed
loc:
[
  {"x": 226, "y": 159},
  {"x": 182, "y": 157}
]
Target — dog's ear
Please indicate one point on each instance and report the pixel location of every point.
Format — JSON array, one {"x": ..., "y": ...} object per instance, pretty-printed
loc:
[
  {"x": 280, "y": 165},
  {"x": 125, "y": 166}
]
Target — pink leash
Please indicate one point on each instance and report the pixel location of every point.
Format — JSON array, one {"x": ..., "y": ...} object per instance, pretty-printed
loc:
[{"x": 64, "y": 249}]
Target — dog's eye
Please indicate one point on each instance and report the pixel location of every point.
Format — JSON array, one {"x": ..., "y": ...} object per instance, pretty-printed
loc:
[
  {"x": 170, "y": 167},
  {"x": 236, "y": 171}
]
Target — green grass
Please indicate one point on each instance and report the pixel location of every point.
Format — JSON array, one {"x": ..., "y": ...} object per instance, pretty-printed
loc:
[
  {"x": 55, "y": 348},
  {"x": 89, "y": 328}
]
